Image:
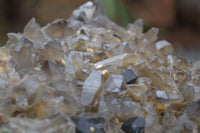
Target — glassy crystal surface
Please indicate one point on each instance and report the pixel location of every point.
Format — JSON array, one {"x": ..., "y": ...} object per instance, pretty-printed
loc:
[
  {"x": 56, "y": 124},
  {"x": 33, "y": 31},
  {"x": 115, "y": 85},
  {"x": 104, "y": 77},
  {"x": 115, "y": 61},
  {"x": 54, "y": 51},
  {"x": 123, "y": 107},
  {"x": 164, "y": 48},
  {"x": 90, "y": 87},
  {"x": 136, "y": 27},
  {"x": 52, "y": 70},
  {"x": 23, "y": 54}
]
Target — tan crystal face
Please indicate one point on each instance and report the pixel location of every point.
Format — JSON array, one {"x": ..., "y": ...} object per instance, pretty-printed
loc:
[{"x": 88, "y": 74}]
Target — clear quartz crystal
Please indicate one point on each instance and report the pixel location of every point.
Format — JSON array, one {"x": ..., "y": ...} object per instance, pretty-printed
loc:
[
  {"x": 164, "y": 48},
  {"x": 23, "y": 54},
  {"x": 136, "y": 27},
  {"x": 115, "y": 84},
  {"x": 123, "y": 107},
  {"x": 90, "y": 87},
  {"x": 57, "y": 124},
  {"x": 90, "y": 68},
  {"x": 116, "y": 60},
  {"x": 56, "y": 29},
  {"x": 54, "y": 51},
  {"x": 162, "y": 94},
  {"x": 52, "y": 71},
  {"x": 33, "y": 31}
]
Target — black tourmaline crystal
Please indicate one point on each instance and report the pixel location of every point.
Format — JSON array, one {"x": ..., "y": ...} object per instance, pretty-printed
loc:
[
  {"x": 129, "y": 76},
  {"x": 89, "y": 125},
  {"x": 134, "y": 125}
]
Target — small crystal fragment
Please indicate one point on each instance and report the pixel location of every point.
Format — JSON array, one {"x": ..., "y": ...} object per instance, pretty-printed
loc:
[
  {"x": 23, "y": 54},
  {"x": 137, "y": 92},
  {"x": 54, "y": 51},
  {"x": 115, "y": 85},
  {"x": 168, "y": 120},
  {"x": 175, "y": 97},
  {"x": 116, "y": 60},
  {"x": 152, "y": 34},
  {"x": 162, "y": 94},
  {"x": 188, "y": 91},
  {"x": 164, "y": 48},
  {"x": 84, "y": 13},
  {"x": 129, "y": 76},
  {"x": 134, "y": 125},
  {"x": 52, "y": 70},
  {"x": 193, "y": 111},
  {"x": 162, "y": 44},
  {"x": 89, "y": 125},
  {"x": 123, "y": 107},
  {"x": 33, "y": 31},
  {"x": 56, "y": 29},
  {"x": 31, "y": 84},
  {"x": 90, "y": 87},
  {"x": 137, "y": 27}
]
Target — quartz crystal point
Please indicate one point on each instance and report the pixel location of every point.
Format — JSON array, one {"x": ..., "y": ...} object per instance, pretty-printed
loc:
[
  {"x": 56, "y": 29},
  {"x": 52, "y": 70},
  {"x": 54, "y": 51},
  {"x": 151, "y": 35},
  {"x": 23, "y": 54},
  {"x": 104, "y": 77},
  {"x": 85, "y": 12},
  {"x": 33, "y": 31},
  {"x": 115, "y": 85},
  {"x": 115, "y": 61},
  {"x": 164, "y": 48},
  {"x": 91, "y": 86},
  {"x": 136, "y": 27}
]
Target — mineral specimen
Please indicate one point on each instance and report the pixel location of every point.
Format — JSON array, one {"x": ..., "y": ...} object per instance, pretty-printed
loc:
[
  {"x": 134, "y": 125},
  {"x": 129, "y": 76},
  {"x": 89, "y": 75},
  {"x": 90, "y": 87},
  {"x": 89, "y": 125}
]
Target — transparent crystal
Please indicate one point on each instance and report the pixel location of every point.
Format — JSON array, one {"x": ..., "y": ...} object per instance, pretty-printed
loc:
[
  {"x": 23, "y": 54},
  {"x": 56, "y": 29},
  {"x": 136, "y": 27},
  {"x": 123, "y": 107},
  {"x": 54, "y": 51},
  {"x": 115, "y": 85},
  {"x": 89, "y": 68},
  {"x": 162, "y": 94},
  {"x": 52, "y": 70},
  {"x": 115, "y": 61},
  {"x": 57, "y": 124},
  {"x": 32, "y": 31},
  {"x": 91, "y": 86}
]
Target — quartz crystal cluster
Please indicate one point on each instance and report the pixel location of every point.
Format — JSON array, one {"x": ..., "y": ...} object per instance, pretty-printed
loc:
[{"x": 89, "y": 75}]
